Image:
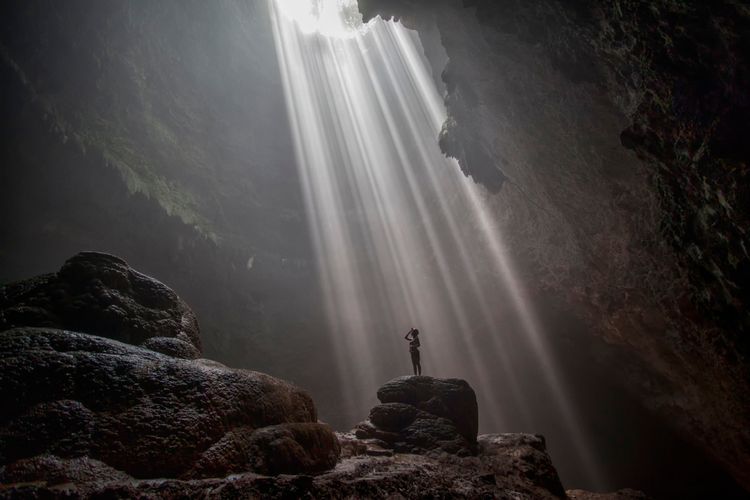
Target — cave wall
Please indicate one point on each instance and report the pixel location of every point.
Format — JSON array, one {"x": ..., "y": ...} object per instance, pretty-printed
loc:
[
  {"x": 181, "y": 99},
  {"x": 613, "y": 135},
  {"x": 150, "y": 130}
]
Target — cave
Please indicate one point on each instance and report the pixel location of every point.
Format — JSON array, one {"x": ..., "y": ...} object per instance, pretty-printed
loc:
[{"x": 553, "y": 195}]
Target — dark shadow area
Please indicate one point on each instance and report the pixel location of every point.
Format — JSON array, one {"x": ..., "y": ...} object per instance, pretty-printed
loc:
[{"x": 636, "y": 449}]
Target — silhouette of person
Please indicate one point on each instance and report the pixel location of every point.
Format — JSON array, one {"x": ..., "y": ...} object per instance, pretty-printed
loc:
[{"x": 413, "y": 338}]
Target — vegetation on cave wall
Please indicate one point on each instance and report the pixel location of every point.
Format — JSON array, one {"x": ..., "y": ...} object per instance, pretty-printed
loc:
[{"x": 137, "y": 82}]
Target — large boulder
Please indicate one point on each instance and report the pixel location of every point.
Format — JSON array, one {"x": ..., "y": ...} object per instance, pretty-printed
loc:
[
  {"x": 68, "y": 395},
  {"x": 100, "y": 294},
  {"x": 421, "y": 414}
]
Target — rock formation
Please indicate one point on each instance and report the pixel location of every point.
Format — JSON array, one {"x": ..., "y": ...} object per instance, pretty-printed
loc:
[
  {"x": 98, "y": 444},
  {"x": 420, "y": 414},
  {"x": 100, "y": 294},
  {"x": 89, "y": 415},
  {"x": 514, "y": 466},
  {"x": 81, "y": 406}
]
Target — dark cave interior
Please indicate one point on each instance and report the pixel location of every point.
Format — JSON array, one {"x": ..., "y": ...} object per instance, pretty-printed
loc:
[{"x": 607, "y": 140}]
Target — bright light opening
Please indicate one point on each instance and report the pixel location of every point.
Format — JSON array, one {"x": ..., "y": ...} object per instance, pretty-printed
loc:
[{"x": 334, "y": 18}]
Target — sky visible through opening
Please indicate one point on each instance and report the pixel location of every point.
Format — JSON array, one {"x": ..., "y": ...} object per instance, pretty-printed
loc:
[{"x": 402, "y": 237}]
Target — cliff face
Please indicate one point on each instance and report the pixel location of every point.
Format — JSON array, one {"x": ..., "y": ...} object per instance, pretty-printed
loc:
[{"x": 612, "y": 134}]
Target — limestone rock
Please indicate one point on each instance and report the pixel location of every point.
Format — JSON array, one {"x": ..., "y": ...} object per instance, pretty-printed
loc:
[
  {"x": 172, "y": 346},
  {"x": 290, "y": 448},
  {"x": 421, "y": 414},
  {"x": 507, "y": 466},
  {"x": 624, "y": 494},
  {"x": 524, "y": 454},
  {"x": 149, "y": 415},
  {"x": 451, "y": 398},
  {"x": 55, "y": 470},
  {"x": 100, "y": 294}
]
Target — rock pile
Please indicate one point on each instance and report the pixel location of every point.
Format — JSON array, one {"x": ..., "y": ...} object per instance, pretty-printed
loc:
[{"x": 423, "y": 414}]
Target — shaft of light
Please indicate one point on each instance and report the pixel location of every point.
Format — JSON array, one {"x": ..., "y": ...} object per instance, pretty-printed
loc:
[{"x": 381, "y": 203}]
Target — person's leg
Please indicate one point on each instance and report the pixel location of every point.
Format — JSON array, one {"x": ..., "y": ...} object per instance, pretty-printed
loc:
[
  {"x": 418, "y": 365},
  {"x": 415, "y": 362}
]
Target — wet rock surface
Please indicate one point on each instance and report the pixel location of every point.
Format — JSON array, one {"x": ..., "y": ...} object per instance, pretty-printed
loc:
[
  {"x": 149, "y": 415},
  {"x": 421, "y": 414},
  {"x": 100, "y": 294},
  {"x": 507, "y": 466},
  {"x": 80, "y": 408},
  {"x": 624, "y": 494},
  {"x": 53, "y": 470},
  {"x": 89, "y": 416}
]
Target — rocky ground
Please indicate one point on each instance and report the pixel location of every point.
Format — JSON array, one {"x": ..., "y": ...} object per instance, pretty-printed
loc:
[
  {"x": 509, "y": 466},
  {"x": 400, "y": 476},
  {"x": 86, "y": 414}
]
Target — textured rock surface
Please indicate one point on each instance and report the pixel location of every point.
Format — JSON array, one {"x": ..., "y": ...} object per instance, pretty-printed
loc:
[
  {"x": 85, "y": 415},
  {"x": 53, "y": 470},
  {"x": 508, "y": 466},
  {"x": 547, "y": 100},
  {"x": 421, "y": 414},
  {"x": 607, "y": 254},
  {"x": 625, "y": 494},
  {"x": 100, "y": 294},
  {"x": 71, "y": 395}
]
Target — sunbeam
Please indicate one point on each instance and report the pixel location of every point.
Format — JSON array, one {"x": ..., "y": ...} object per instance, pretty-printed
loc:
[
  {"x": 336, "y": 18},
  {"x": 375, "y": 248},
  {"x": 398, "y": 231}
]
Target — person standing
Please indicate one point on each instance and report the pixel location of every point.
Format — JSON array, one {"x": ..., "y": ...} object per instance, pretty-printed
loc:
[{"x": 413, "y": 338}]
